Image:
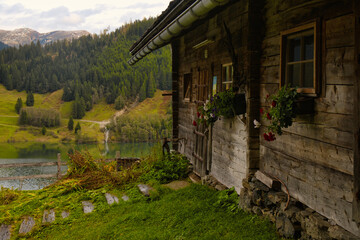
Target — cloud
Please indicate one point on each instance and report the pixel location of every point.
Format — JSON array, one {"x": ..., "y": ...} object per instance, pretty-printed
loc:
[
  {"x": 91, "y": 15},
  {"x": 143, "y": 5},
  {"x": 72, "y": 19}
]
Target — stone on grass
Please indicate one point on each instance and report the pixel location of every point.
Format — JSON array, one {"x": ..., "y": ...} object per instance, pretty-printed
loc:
[
  {"x": 125, "y": 198},
  {"x": 176, "y": 185},
  {"x": 111, "y": 199},
  {"x": 145, "y": 189},
  {"x": 5, "y": 232},
  {"x": 88, "y": 207},
  {"x": 49, "y": 216},
  {"x": 27, "y": 225},
  {"x": 65, "y": 214}
]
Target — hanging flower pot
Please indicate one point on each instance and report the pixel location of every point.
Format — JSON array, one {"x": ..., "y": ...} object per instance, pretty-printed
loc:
[
  {"x": 239, "y": 103},
  {"x": 304, "y": 105}
]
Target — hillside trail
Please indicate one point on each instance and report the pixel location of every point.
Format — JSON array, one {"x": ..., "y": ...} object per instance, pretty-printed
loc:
[{"x": 119, "y": 113}]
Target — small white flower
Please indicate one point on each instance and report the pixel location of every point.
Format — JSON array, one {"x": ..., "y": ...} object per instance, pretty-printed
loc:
[
  {"x": 206, "y": 117},
  {"x": 205, "y": 108},
  {"x": 257, "y": 124},
  {"x": 212, "y": 115}
]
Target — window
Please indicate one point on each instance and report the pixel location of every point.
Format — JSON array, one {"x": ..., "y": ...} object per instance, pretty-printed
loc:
[
  {"x": 187, "y": 86},
  {"x": 227, "y": 76},
  {"x": 298, "y": 58}
]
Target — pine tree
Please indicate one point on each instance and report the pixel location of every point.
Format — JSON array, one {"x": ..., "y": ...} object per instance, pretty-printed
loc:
[
  {"x": 18, "y": 105},
  {"x": 142, "y": 94},
  {"x": 77, "y": 128},
  {"x": 43, "y": 130},
  {"x": 71, "y": 124},
  {"x": 30, "y": 99},
  {"x": 23, "y": 118}
]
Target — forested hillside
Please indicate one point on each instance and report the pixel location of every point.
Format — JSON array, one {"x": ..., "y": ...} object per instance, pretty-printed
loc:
[{"x": 89, "y": 69}]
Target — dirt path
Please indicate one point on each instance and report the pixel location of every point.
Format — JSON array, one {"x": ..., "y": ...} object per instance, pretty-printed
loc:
[{"x": 103, "y": 124}]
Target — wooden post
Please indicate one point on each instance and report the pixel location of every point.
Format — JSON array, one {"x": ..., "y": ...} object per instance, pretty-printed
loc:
[
  {"x": 356, "y": 146},
  {"x": 58, "y": 165}
]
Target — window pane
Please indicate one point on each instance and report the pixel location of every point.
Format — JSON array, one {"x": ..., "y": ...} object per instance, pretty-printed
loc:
[
  {"x": 294, "y": 49},
  {"x": 308, "y": 75},
  {"x": 309, "y": 47},
  {"x": 294, "y": 75}
]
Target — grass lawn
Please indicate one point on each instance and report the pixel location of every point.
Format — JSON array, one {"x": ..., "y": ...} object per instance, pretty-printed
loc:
[{"x": 188, "y": 213}]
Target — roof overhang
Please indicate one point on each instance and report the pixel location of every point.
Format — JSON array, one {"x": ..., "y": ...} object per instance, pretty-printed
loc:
[{"x": 172, "y": 26}]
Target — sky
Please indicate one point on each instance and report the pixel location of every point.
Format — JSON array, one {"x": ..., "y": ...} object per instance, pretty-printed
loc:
[{"x": 91, "y": 15}]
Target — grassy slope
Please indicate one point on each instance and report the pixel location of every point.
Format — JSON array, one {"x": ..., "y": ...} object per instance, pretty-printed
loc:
[
  {"x": 10, "y": 131},
  {"x": 184, "y": 214}
]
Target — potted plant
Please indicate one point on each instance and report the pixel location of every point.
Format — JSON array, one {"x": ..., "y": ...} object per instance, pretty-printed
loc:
[
  {"x": 282, "y": 111},
  {"x": 225, "y": 104}
]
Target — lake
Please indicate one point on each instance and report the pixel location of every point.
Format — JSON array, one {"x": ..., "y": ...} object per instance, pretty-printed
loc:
[{"x": 42, "y": 152}]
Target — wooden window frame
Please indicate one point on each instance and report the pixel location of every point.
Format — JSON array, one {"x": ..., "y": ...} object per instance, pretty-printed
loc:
[
  {"x": 223, "y": 82},
  {"x": 188, "y": 88},
  {"x": 316, "y": 60}
]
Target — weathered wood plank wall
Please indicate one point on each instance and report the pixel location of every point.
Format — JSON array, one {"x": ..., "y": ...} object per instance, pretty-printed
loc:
[
  {"x": 314, "y": 157},
  {"x": 229, "y": 146}
]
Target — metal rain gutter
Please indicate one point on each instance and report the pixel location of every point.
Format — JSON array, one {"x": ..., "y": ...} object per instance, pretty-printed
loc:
[{"x": 196, "y": 11}]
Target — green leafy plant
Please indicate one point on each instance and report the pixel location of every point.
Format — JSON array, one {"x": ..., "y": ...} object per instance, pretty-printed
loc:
[
  {"x": 221, "y": 104},
  {"x": 281, "y": 113},
  {"x": 171, "y": 167},
  {"x": 228, "y": 199}
]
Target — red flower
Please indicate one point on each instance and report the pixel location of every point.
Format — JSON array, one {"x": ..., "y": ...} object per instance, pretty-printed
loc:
[
  {"x": 202, "y": 116},
  {"x": 273, "y": 103},
  {"x": 198, "y": 114},
  {"x": 266, "y": 137},
  {"x": 194, "y": 123},
  {"x": 271, "y": 136},
  {"x": 268, "y": 116},
  {"x": 261, "y": 111},
  {"x": 267, "y": 96}
]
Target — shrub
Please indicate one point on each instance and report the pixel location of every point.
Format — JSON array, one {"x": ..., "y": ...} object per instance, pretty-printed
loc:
[
  {"x": 18, "y": 105},
  {"x": 171, "y": 167},
  {"x": 228, "y": 199},
  {"x": 7, "y": 195}
]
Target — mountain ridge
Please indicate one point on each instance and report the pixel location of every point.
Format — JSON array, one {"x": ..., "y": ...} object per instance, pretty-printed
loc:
[{"x": 22, "y": 36}]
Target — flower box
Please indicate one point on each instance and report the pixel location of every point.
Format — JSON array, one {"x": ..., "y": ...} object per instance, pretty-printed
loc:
[
  {"x": 239, "y": 103},
  {"x": 304, "y": 105}
]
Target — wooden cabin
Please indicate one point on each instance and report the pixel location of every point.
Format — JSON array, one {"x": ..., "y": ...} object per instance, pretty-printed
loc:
[{"x": 311, "y": 44}]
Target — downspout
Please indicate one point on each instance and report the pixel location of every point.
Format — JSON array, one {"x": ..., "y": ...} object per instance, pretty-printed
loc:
[{"x": 196, "y": 11}]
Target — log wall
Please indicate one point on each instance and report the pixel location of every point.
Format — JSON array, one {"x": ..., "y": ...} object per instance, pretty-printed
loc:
[
  {"x": 314, "y": 157},
  {"x": 229, "y": 145}
]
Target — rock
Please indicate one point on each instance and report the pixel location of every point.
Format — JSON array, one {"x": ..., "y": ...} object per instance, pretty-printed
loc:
[
  {"x": 277, "y": 197},
  {"x": 257, "y": 210},
  {"x": 316, "y": 226},
  {"x": 245, "y": 200},
  {"x": 258, "y": 185},
  {"x": 220, "y": 187},
  {"x": 65, "y": 214},
  {"x": 290, "y": 213},
  {"x": 269, "y": 214},
  {"x": 145, "y": 189},
  {"x": 176, "y": 185},
  {"x": 111, "y": 199},
  {"x": 194, "y": 178},
  {"x": 27, "y": 225},
  {"x": 125, "y": 198},
  {"x": 49, "y": 216},
  {"x": 339, "y": 233},
  {"x": 256, "y": 197},
  {"x": 88, "y": 207},
  {"x": 284, "y": 226},
  {"x": 5, "y": 232}
]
